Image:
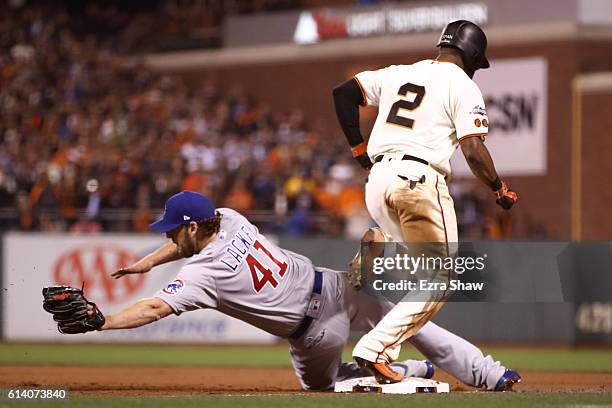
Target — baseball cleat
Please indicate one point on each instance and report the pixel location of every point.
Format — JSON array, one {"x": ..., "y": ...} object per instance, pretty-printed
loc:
[
  {"x": 507, "y": 380},
  {"x": 381, "y": 371},
  {"x": 430, "y": 369}
]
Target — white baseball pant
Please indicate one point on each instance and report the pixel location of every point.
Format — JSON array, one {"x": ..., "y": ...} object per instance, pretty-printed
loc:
[{"x": 413, "y": 208}]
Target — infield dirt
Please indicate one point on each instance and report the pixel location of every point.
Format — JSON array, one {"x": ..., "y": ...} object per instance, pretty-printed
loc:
[{"x": 152, "y": 380}]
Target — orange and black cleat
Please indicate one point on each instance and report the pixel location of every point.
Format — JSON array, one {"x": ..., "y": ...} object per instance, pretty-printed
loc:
[{"x": 381, "y": 371}]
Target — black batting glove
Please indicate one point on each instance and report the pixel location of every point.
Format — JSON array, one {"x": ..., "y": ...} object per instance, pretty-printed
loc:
[{"x": 505, "y": 197}]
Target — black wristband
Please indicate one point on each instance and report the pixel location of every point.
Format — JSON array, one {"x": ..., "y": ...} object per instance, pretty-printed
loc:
[{"x": 496, "y": 184}]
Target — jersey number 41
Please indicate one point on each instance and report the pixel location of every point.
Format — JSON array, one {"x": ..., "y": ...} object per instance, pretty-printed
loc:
[{"x": 259, "y": 273}]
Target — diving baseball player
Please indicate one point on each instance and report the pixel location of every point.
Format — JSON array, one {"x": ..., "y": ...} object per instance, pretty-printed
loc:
[
  {"x": 425, "y": 111},
  {"x": 236, "y": 270}
]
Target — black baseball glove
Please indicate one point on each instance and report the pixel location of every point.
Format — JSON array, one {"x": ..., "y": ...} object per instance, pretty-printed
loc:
[{"x": 71, "y": 310}]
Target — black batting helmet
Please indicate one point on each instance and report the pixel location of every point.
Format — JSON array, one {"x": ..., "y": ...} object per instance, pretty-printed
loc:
[{"x": 470, "y": 39}]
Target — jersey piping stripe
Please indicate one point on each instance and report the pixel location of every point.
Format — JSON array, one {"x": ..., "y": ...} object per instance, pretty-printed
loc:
[
  {"x": 443, "y": 218},
  {"x": 424, "y": 311},
  {"x": 401, "y": 334},
  {"x": 394, "y": 342},
  {"x": 365, "y": 98},
  {"x": 472, "y": 135}
]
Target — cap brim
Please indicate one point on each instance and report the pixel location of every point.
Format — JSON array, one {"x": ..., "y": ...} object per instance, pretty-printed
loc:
[{"x": 163, "y": 226}]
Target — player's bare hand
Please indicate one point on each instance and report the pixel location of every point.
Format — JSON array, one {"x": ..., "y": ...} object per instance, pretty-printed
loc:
[{"x": 142, "y": 266}]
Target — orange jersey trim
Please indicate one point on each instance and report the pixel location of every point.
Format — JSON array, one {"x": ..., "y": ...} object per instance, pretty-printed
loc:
[
  {"x": 472, "y": 135},
  {"x": 365, "y": 98},
  {"x": 442, "y": 60}
]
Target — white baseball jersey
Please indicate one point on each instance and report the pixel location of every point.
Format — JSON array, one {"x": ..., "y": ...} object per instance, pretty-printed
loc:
[
  {"x": 423, "y": 110},
  {"x": 243, "y": 275}
]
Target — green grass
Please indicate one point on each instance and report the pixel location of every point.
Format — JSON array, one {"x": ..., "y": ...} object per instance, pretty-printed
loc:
[
  {"x": 337, "y": 401},
  {"x": 104, "y": 354},
  {"x": 550, "y": 359}
]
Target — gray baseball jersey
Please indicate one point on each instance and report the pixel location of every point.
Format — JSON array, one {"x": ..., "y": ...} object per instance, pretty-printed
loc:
[{"x": 241, "y": 274}]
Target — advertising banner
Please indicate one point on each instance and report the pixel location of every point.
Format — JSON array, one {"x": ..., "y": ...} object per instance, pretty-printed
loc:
[
  {"x": 328, "y": 23},
  {"x": 33, "y": 261},
  {"x": 515, "y": 94}
]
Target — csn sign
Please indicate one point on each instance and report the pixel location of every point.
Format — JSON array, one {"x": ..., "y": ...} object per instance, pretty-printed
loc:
[
  {"x": 512, "y": 112},
  {"x": 516, "y": 97}
]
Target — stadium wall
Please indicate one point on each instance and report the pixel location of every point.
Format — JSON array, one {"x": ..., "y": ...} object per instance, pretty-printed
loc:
[{"x": 583, "y": 312}]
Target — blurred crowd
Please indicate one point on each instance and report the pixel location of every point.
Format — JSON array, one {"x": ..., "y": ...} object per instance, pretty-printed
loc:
[
  {"x": 149, "y": 25},
  {"x": 91, "y": 140},
  {"x": 87, "y": 133}
]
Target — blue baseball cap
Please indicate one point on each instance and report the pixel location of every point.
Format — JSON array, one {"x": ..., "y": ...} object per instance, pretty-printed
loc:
[{"x": 183, "y": 208}]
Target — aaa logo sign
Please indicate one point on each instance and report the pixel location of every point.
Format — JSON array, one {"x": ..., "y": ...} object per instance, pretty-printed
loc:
[{"x": 93, "y": 265}]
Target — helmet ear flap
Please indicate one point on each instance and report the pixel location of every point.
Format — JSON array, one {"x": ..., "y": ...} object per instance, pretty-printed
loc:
[{"x": 475, "y": 59}]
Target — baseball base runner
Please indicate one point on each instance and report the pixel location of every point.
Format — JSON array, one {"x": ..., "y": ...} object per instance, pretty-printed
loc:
[{"x": 425, "y": 111}]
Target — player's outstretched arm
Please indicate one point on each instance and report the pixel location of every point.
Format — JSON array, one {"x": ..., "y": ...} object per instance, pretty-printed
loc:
[
  {"x": 168, "y": 252},
  {"x": 480, "y": 162},
  {"x": 143, "y": 312}
]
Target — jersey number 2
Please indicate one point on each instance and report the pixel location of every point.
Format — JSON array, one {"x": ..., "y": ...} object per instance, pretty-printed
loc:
[
  {"x": 407, "y": 105},
  {"x": 258, "y": 269}
]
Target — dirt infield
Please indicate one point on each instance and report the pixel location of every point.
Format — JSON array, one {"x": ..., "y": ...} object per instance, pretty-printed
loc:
[{"x": 140, "y": 380}]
